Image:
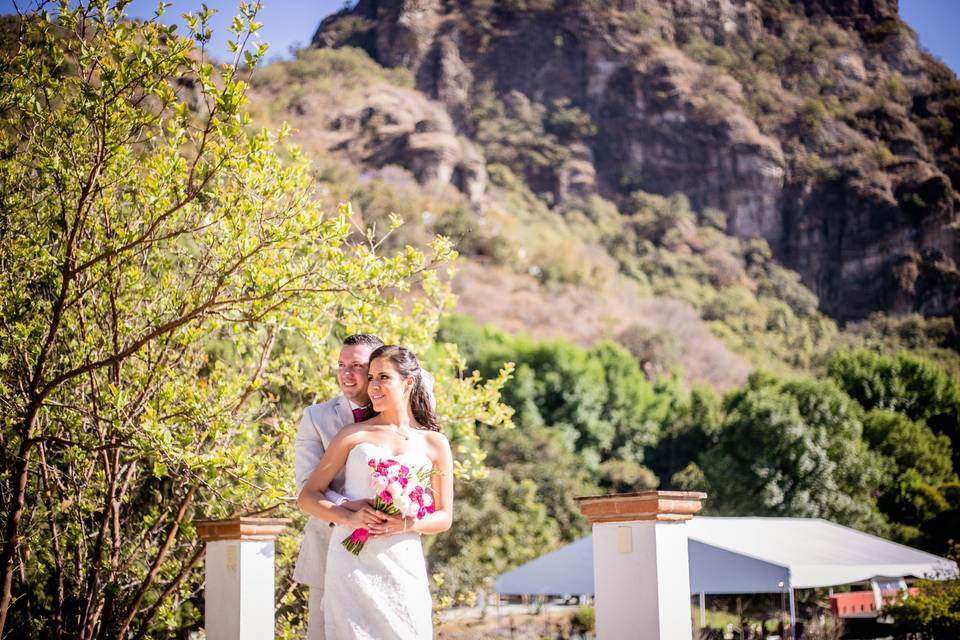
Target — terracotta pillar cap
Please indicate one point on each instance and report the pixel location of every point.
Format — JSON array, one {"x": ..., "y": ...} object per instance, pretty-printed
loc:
[
  {"x": 242, "y": 528},
  {"x": 663, "y": 506}
]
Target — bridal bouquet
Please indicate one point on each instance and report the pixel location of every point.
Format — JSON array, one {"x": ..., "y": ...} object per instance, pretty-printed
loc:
[{"x": 398, "y": 491}]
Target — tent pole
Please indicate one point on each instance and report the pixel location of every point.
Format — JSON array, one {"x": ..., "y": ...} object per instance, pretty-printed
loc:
[
  {"x": 703, "y": 612},
  {"x": 793, "y": 613}
]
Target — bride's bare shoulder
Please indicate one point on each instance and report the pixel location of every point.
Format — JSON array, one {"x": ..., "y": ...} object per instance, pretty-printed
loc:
[
  {"x": 351, "y": 435},
  {"x": 437, "y": 442}
]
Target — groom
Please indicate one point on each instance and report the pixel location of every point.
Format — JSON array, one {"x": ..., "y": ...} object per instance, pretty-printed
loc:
[{"x": 319, "y": 425}]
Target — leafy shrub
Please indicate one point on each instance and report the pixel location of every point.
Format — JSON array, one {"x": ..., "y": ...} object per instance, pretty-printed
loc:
[
  {"x": 585, "y": 620},
  {"x": 883, "y": 155},
  {"x": 813, "y": 113},
  {"x": 568, "y": 122},
  {"x": 934, "y": 612},
  {"x": 813, "y": 166}
]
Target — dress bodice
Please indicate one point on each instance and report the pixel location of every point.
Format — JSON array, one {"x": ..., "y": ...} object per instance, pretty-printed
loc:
[
  {"x": 383, "y": 592},
  {"x": 358, "y": 471}
]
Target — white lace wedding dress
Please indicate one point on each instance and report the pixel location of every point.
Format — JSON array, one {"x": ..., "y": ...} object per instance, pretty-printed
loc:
[{"x": 382, "y": 593}]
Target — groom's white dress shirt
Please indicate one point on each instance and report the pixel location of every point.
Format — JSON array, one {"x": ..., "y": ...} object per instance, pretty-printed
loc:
[{"x": 320, "y": 423}]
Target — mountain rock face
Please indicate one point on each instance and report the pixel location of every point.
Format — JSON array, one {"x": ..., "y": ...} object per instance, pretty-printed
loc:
[{"x": 818, "y": 125}]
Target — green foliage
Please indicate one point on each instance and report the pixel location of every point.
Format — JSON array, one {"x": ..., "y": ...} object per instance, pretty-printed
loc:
[
  {"x": 171, "y": 296},
  {"x": 909, "y": 445},
  {"x": 759, "y": 308},
  {"x": 716, "y": 55},
  {"x": 934, "y": 339},
  {"x": 813, "y": 166},
  {"x": 318, "y": 70},
  {"x": 883, "y": 155},
  {"x": 625, "y": 476},
  {"x": 896, "y": 88},
  {"x": 585, "y": 620},
  {"x": 934, "y": 612},
  {"x": 514, "y": 134},
  {"x": 568, "y": 122},
  {"x": 598, "y": 400},
  {"x": 690, "y": 478},
  {"x": 541, "y": 454},
  {"x": 806, "y": 48},
  {"x": 692, "y": 423},
  {"x": 911, "y": 501},
  {"x": 500, "y": 523},
  {"x": 917, "y": 388},
  {"x": 793, "y": 448},
  {"x": 813, "y": 113},
  {"x": 471, "y": 233}
]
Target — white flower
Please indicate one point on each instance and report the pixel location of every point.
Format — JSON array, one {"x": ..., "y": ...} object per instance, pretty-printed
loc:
[
  {"x": 403, "y": 504},
  {"x": 395, "y": 490},
  {"x": 412, "y": 510},
  {"x": 379, "y": 483}
]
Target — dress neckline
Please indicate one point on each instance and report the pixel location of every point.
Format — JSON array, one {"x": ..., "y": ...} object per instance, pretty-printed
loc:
[{"x": 422, "y": 454}]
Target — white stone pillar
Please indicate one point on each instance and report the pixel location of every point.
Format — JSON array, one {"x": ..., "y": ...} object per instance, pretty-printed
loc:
[
  {"x": 641, "y": 570},
  {"x": 238, "y": 589}
]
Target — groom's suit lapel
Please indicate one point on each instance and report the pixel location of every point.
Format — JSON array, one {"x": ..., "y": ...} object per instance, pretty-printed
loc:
[{"x": 344, "y": 413}]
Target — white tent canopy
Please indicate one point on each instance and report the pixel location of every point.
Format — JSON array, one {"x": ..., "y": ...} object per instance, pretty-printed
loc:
[{"x": 746, "y": 555}]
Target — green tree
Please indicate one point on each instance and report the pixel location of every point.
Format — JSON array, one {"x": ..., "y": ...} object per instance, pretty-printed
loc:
[
  {"x": 598, "y": 399},
  {"x": 543, "y": 455},
  {"x": 501, "y": 524},
  {"x": 168, "y": 291},
  {"x": 918, "y": 388},
  {"x": 692, "y": 422},
  {"x": 909, "y": 444},
  {"x": 628, "y": 404},
  {"x": 793, "y": 448},
  {"x": 917, "y": 464}
]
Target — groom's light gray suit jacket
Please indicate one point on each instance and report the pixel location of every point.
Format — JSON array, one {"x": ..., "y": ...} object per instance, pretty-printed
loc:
[{"x": 320, "y": 423}]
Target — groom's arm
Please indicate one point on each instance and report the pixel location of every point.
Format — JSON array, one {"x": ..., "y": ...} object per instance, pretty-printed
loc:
[{"x": 308, "y": 449}]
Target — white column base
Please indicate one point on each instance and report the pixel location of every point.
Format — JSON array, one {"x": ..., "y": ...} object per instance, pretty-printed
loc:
[
  {"x": 238, "y": 593},
  {"x": 642, "y": 581}
]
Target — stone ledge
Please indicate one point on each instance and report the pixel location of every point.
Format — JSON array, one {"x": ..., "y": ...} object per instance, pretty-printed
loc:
[
  {"x": 659, "y": 506},
  {"x": 241, "y": 528}
]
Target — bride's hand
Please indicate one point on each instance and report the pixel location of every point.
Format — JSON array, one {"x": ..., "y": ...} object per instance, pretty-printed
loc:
[
  {"x": 366, "y": 517},
  {"x": 392, "y": 525}
]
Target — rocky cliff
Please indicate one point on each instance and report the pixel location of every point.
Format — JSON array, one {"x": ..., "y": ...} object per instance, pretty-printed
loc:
[{"x": 817, "y": 124}]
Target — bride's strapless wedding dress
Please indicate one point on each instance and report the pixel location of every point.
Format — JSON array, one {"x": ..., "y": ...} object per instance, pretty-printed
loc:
[{"x": 382, "y": 593}]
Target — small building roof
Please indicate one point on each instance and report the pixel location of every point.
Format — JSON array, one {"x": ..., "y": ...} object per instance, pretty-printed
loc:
[{"x": 746, "y": 555}]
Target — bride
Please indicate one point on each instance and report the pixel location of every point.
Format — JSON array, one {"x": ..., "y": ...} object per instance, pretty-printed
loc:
[{"x": 383, "y": 592}]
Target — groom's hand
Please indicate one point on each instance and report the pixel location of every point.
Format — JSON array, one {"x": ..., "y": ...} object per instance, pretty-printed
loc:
[
  {"x": 363, "y": 515},
  {"x": 356, "y": 505}
]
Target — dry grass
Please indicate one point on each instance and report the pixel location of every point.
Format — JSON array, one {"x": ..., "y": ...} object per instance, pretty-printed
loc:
[{"x": 520, "y": 304}]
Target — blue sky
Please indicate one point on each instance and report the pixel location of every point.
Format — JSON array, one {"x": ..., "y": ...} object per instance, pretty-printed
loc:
[{"x": 291, "y": 23}]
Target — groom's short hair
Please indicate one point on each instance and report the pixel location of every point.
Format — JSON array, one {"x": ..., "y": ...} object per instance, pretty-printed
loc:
[{"x": 367, "y": 339}]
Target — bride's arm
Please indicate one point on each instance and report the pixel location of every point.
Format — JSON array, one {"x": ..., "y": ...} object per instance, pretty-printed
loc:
[
  {"x": 441, "y": 519},
  {"x": 312, "y": 498}
]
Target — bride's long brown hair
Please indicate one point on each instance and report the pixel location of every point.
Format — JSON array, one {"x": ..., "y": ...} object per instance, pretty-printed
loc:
[{"x": 407, "y": 365}]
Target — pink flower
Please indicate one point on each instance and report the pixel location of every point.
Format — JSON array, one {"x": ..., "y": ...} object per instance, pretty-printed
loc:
[
  {"x": 386, "y": 497},
  {"x": 359, "y": 535}
]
